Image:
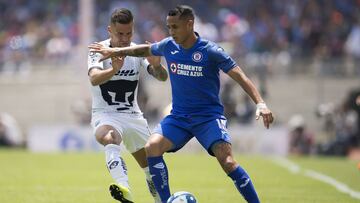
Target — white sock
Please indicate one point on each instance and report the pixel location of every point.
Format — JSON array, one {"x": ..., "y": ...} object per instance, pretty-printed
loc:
[
  {"x": 116, "y": 165},
  {"x": 151, "y": 186}
]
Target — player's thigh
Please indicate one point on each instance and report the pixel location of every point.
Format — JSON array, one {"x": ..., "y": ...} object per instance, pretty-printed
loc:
[
  {"x": 104, "y": 123},
  {"x": 136, "y": 133},
  {"x": 211, "y": 132},
  {"x": 175, "y": 130}
]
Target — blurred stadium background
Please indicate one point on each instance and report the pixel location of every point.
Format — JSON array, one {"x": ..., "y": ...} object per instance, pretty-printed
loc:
[{"x": 304, "y": 55}]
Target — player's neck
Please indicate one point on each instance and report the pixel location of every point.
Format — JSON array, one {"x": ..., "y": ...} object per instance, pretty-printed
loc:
[{"x": 190, "y": 41}]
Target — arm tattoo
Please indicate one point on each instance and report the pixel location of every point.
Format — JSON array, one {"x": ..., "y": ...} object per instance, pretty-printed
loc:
[
  {"x": 138, "y": 51},
  {"x": 158, "y": 72}
]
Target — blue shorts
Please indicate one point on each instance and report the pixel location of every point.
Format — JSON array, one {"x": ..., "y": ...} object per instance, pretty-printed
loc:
[{"x": 180, "y": 129}]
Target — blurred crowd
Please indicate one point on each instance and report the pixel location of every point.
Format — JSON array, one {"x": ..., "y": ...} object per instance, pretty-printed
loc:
[
  {"x": 261, "y": 32},
  {"x": 340, "y": 124},
  {"x": 33, "y": 32}
]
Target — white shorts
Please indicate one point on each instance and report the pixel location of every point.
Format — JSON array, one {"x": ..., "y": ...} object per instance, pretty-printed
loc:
[{"x": 133, "y": 129}]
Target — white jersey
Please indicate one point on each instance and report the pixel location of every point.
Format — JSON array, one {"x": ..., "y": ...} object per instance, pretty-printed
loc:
[{"x": 119, "y": 94}]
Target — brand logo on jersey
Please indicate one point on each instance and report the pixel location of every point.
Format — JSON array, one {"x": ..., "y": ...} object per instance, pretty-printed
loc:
[
  {"x": 174, "y": 52},
  {"x": 187, "y": 70},
  {"x": 127, "y": 72},
  {"x": 197, "y": 56}
]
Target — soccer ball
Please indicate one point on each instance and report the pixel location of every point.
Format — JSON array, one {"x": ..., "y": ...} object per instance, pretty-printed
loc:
[{"x": 182, "y": 197}]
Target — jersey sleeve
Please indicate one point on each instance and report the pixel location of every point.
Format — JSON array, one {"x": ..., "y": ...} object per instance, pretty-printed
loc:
[
  {"x": 144, "y": 63},
  {"x": 158, "y": 48},
  {"x": 93, "y": 61},
  {"x": 221, "y": 59}
]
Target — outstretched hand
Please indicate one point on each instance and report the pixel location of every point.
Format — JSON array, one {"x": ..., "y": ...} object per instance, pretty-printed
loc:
[
  {"x": 106, "y": 52},
  {"x": 263, "y": 111}
]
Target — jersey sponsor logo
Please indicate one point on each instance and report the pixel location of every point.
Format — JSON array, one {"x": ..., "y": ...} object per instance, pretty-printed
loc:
[
  {"x": 174, "y": 52},
  {"x": 197, "y": 56},
  {"x": 127, "y": 72},
  {"x": 187, "y": 70}
]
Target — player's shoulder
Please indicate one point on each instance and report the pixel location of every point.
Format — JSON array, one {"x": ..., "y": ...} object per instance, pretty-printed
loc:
[
  {"x": 105, "y": 42},
  {"x": 98, "y": 55},
  {"x": 215, "y": 51},
  {"x": 167, "y": 41},
  {"x": 165, "y": 44},
  {"x": 212, "y": 46}
]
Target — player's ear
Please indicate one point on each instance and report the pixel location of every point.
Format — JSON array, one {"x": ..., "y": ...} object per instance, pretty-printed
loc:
[
  {"x": 109, "y": 29},
  {"x": 191, "y": 24}
]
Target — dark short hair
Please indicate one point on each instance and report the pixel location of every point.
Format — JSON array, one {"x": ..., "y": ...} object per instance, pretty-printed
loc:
[
  {"x": 183, "y": 11},
  {"x": 122, "y": 16}
]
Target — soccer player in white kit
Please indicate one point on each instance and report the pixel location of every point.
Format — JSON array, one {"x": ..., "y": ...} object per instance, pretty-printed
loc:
[{"x": 116, "y": 116}]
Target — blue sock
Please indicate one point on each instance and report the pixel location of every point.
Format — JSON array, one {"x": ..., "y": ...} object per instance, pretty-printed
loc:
[
  {"x": 244, "y": 185},
  {"x": 159, "y": 175}
]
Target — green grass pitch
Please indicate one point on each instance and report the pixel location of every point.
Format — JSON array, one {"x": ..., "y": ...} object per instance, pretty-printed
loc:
[{"x": 83, "y": 178}]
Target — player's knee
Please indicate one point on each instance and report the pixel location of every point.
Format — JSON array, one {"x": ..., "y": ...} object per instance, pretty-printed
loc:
[
  {"x": 104, "y": 140},
  {"x": 153, "y": 148},
  {"x": 108, "y": 137},
  {"x": 228, "y": 164}
]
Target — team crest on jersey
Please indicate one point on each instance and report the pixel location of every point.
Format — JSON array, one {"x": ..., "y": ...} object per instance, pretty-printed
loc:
[
  {"x": 197, "y": 56},
  {"x": 173, "y": 67}
]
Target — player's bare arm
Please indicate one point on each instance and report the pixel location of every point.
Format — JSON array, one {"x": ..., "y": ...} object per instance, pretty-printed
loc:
[
  {"x": 155, "y": 68},
  {"x": 159, "y": 72},
  {"x": 141, "y": 50},
  {"x": 99, "y": 76},
  {"x": 239, "y": 76}
]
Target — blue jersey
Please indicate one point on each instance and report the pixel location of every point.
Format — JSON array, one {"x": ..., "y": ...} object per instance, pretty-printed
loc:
[{"x": 194, "y": 75}]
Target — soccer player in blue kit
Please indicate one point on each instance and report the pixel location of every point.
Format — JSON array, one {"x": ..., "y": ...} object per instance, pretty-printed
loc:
[{"x": 193, "y": 64}]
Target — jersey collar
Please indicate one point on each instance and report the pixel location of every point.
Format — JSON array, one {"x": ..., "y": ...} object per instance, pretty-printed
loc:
[{"x": 196, "y": 44}]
